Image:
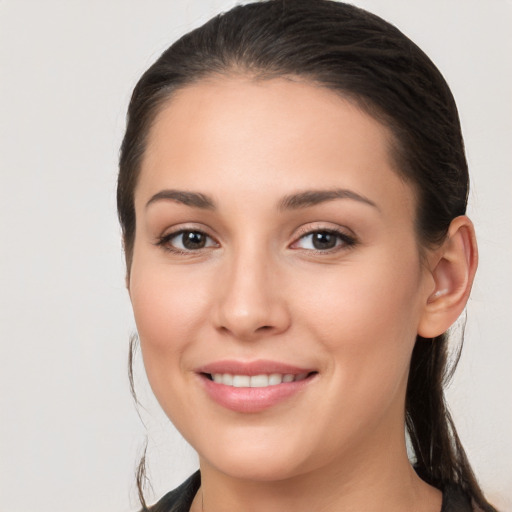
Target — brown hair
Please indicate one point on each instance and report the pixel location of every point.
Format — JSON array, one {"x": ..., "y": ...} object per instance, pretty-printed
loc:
[{"x": 363, "y": 58}]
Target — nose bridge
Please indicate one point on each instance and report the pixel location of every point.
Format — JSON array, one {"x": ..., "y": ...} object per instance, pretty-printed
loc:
[{"x": 250, "y": 303}]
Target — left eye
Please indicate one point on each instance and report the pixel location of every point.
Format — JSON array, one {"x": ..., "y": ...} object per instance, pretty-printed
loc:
[
  {"x": 323, "y": 240},
  {"x": 187, "y": 240}
]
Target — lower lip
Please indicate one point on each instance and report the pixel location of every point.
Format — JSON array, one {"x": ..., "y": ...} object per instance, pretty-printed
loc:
[{"x": 251, "y": 400}]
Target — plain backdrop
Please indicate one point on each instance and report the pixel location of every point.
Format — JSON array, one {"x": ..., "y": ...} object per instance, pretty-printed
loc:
[{"x": 69, "y": 433}]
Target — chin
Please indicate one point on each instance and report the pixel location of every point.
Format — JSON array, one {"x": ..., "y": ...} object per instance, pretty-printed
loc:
[
  {"x": 258, "y": 461},
  {"x": 264, "y": 469}
]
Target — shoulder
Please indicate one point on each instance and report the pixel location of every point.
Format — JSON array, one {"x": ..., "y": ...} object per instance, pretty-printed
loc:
[{"x": 180, "y": 499}]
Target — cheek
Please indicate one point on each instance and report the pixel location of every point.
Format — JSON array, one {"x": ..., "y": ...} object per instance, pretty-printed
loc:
[
  {"x": 167, "y": 307},
  {"x": 366, "y": 318},
  {"x": 361, "y": 298}
]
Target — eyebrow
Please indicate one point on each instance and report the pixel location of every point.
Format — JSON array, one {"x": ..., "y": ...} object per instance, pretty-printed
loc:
[
  {"x": 313, "y": 197},
  {"x": 194, "y": 199},
  {"x": 295, "y": 201}
]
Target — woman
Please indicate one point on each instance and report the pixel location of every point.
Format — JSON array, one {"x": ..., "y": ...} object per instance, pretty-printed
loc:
[{"x": 292, "y": 194}]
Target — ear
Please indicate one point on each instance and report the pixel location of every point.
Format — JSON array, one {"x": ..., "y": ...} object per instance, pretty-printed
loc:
[{"x": 452, "y": 267}]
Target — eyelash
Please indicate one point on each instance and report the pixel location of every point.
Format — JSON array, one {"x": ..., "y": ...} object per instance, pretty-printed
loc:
[
  {"x": 164, "y": 241},
  {"x": 344, "y": 241}
]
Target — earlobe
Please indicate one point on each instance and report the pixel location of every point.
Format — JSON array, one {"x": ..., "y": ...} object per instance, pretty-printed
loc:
[{"x": 453, "y": 270}]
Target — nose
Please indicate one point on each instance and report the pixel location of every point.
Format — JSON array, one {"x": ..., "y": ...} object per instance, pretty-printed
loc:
[{"x": 250, "y": 302}]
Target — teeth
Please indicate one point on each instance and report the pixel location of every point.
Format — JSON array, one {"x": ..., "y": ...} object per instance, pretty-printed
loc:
[
  {"x": 256, "y": 381},
  {"x": 275, "y": 378},
  {"x": 227, "y": 379},
  {"x": 259, "y": 381},
  {"x": 241, "y": 381}
]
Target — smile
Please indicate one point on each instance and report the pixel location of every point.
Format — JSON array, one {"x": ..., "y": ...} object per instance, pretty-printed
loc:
[
  {"x": 256, "y": 381},
  {"x": 252, "y": 387}
]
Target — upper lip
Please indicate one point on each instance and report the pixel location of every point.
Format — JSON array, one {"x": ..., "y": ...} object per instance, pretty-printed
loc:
[{"x": 259, "y": 367}]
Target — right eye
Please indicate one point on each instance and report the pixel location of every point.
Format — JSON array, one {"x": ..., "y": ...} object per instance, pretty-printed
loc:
[{"x": 186, "y": 240}]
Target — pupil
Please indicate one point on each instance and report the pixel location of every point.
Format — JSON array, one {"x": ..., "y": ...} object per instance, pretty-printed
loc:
[
  {"x": 193, "y": 240},
  {"x": 324, "y": 240}
]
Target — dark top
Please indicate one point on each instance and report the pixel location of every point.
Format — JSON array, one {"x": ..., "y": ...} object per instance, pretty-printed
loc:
[{"x": 180, "y": 500}]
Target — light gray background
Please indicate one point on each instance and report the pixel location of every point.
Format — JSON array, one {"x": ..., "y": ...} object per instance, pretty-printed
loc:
[{"x": 69, "y": 434}]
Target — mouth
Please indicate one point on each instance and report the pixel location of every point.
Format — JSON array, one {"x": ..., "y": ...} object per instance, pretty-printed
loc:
[
  {"x": 255, "y": 386},
  {"x": 256, "y": 381}
]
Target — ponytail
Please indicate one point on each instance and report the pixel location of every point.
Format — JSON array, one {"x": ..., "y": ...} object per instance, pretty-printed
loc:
[{"x": 440, "y": 459}]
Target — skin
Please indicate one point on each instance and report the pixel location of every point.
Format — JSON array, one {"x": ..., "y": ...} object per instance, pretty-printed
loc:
[{"x": 259, "y": 290}]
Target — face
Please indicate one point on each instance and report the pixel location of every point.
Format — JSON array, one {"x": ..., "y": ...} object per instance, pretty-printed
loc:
[{"x": 276, "y": 280}]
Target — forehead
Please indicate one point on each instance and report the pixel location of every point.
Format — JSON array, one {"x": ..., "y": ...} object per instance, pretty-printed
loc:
[
  {"x": 238, "y": 133},
  {"x": 284, "y": 110}
]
